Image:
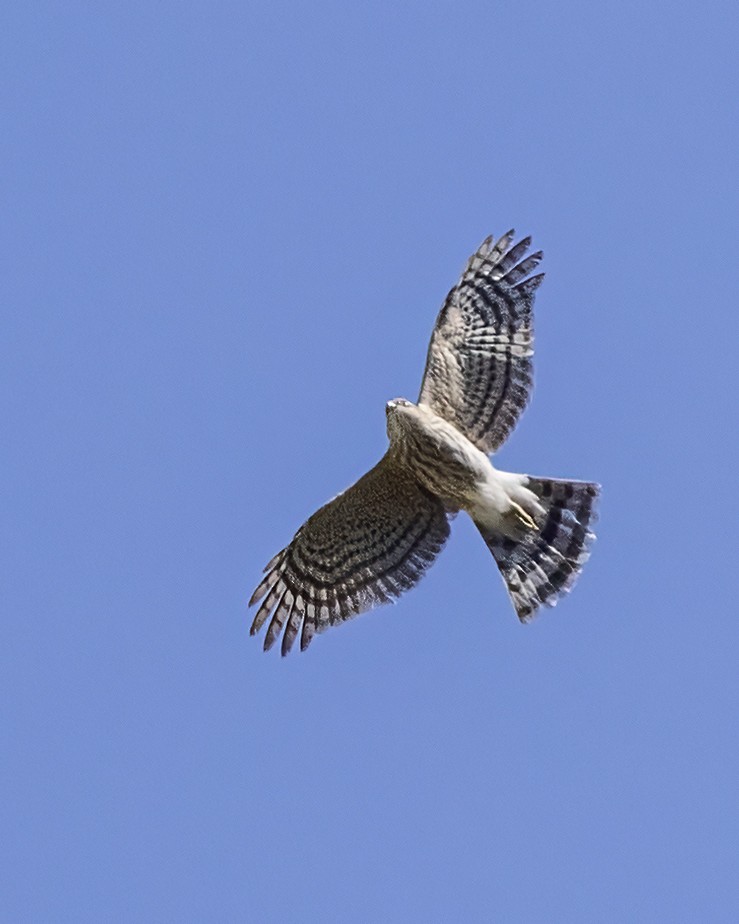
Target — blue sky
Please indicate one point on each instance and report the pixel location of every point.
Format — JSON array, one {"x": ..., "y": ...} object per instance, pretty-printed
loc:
[{"x": 227, "y": 229}]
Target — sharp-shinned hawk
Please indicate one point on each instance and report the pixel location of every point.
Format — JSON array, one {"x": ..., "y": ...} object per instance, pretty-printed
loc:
[{"x": 377, "y": 538}]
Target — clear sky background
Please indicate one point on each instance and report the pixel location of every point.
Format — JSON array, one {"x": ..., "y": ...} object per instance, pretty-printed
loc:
[{"x": 227, "y": 229}]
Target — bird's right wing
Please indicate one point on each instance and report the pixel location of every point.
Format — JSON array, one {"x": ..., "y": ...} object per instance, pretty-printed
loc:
[
  {"x": 363, "y": 548},
  {"x": 478, "y": 371}
]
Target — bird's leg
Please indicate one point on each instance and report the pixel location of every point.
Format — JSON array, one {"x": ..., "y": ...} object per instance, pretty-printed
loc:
[{"x": 517, "y": 522}]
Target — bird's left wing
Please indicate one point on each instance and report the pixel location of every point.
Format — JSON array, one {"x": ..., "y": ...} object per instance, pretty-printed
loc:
[
  {"x": 363, "y": 548},
  {"x": 478, "y": 371}
]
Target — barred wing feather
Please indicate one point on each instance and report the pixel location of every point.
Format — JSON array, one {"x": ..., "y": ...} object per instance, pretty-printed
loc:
[{"x": 362, "y": 549}]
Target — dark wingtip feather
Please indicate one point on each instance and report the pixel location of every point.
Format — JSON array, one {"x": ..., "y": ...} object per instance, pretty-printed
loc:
[
  {"x": 273, "y": 561},
  {"x": 268, "y": 581},
  {"x": 530, "y": 285},
  {"x": 271, "y": 636},
  {"x": 513, "y": 256},
  {"x": 257, "y": 595},
  {"x": 307, "y": 633},
  {"x": 522, "y": 269},
  {"x": 291, "y": 630}
]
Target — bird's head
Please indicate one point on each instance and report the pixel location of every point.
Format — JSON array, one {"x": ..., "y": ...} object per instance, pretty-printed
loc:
[{"x": 398, "y": 412}]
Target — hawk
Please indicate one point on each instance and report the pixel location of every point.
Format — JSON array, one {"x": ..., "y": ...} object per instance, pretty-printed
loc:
[{"x": 377, "y": 538}]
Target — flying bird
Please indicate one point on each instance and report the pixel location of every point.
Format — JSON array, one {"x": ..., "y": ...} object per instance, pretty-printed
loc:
[{"x": 378, "y": 538}]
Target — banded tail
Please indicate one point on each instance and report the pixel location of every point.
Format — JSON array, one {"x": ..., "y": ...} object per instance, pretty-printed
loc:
[{"x": 544, "y": 565}]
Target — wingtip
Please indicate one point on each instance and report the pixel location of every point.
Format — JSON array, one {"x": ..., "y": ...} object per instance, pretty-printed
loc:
[
  {"x": 306, "y": 636},
  {"x": 528, "y": 286}
]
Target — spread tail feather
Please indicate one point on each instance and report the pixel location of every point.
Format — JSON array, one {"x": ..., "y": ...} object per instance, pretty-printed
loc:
[{"x": 543, "y": 565}]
